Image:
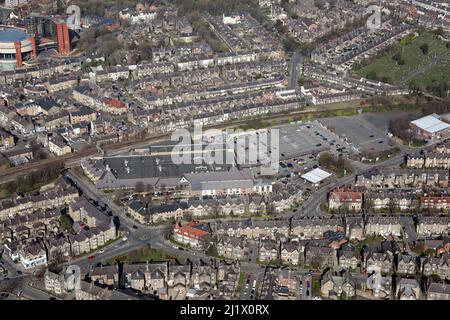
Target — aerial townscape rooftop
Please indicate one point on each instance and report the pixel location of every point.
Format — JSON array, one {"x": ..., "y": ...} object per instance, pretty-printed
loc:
[{"x": 251, "y": 155}]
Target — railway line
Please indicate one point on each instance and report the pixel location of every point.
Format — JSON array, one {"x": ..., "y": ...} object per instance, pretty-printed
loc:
[{"x": 71, "y": 160}]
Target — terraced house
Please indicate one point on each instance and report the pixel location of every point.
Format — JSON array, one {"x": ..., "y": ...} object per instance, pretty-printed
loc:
[
  {"x": 379, "y": 261},
  {"x": 429, "y": 160},
  {"x": 348, "y": 259},
  {"x": 408, "y": 289},
  {"x": 194, "y": 234},
  {"x": 203, "y": 277},
  {"x": 315, "y": 228},
  {"x": 438, "y": 291},
  {"x": 380, "y": 286},
  {"x": 435, "y": 203},
  {"x": 433, "y": 226},
  {"x": 254, "y": 229},
  {"x": 146, "y": 277},
  {"x": 36, "y": 224},
  {"x": 90, "y": 239},
  {"x": 268, "y": 250},
  {"x": 354, "y": 228},
  {"x": 105, "y": 275},
  {"x": 319, "y": 257},
  {"x": 232, "y": 247},
  {"x": 58, "y": 248},
  {"x": 178, "y": 281},
  {"x": 351, "y": 200},
  {"x": 147, "y": 214},
  {"x": 383, "y": 226},
  {"x": 437, "y": 266},
  {"x": 403, "y": 178},
  {"x": 406, "y": 264},
  {"x": 83, "y": 211},
  {"x": 290, "y": 253},
  {"x": 402, "y": 200},
  {"x": 31, "y": 203},
  {"x": 337, "y": 285},
  {"x": 203, "y": 207}
]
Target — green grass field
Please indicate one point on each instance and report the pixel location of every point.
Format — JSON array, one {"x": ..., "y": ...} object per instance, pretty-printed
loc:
[
  {"x": 437, "y": 74},
  {"x": 418, "y": 67}
]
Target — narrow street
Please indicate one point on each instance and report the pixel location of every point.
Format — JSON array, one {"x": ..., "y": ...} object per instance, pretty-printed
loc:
[{"x": 297, "y": 58}]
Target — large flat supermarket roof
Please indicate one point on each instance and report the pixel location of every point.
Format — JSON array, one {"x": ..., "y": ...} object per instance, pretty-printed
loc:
[
  {"x": 316, "y": 175},
  {"x": 430, "y": 124}
]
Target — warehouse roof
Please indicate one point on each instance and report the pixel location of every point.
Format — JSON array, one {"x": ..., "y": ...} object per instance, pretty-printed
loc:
[
  {"x": 430, "y": 124},
  {"x": 315, "y": 176}
]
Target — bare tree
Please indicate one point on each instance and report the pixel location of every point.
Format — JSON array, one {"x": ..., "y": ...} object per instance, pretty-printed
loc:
[
  {"x": 368, "y": 206},
  {"x": 316, "y": 262},
  {"x": 270, "y": 208},
  {"x": 216, "y": 209},
  {"x": 392, "y": 206},
  {"x": 150, "y": 188},
  {"x": 163, "y": 188}
]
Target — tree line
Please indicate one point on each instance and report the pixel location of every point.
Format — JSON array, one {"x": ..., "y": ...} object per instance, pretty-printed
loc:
[{"x": 29, "y": 182}]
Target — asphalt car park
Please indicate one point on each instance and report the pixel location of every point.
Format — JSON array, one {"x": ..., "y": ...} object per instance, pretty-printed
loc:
[
  {"x": 303, "y": 140},
  {"x": 360, "y": 133}
]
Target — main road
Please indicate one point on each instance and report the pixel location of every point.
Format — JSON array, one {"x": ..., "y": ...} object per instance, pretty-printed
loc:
[
  {"x": 296, "y": 60},
  {"x": 137, "y": 235}
]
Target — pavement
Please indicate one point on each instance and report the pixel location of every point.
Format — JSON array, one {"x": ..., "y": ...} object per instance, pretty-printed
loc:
[
  {"x": 13, "y": 269},
  {"x": 409, "y": 230},
  {"x": 32, "y": 293},
  {"x": 305, "y": 287},
  {"x": 248, "y": 291},
  {"x": 19, "y": 283},
  {"x": 20, "y": 288}
]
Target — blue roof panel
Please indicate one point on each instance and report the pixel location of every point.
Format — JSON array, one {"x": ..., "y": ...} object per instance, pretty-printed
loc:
[{"x": 11, "y": 35}]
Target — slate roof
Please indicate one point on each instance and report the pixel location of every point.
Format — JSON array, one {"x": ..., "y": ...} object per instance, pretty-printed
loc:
[{"x": 138, "y": 166}]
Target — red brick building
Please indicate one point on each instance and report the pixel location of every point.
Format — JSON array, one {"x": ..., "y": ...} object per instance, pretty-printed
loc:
[
  {"x": 345, "y": 198},
  {"x": 193, "y": 234},
  {"x": 439, "y": 203}
]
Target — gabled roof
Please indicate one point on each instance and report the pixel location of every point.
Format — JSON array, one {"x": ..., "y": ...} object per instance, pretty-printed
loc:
[{"x": 439, "y": 288}]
